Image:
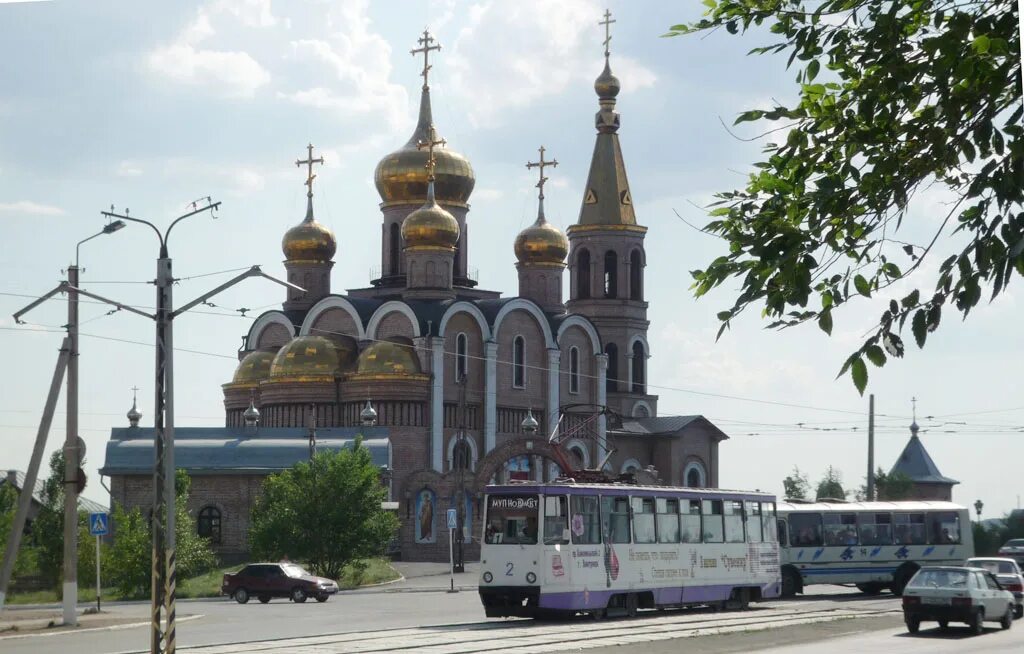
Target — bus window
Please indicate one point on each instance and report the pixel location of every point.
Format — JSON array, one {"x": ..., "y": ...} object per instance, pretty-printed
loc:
[
  {"x": 511, "y": 519},
  {"x": 754, "y": 534},
  {"x": 875, "y": 528},
  {"x": 908, "y": 528},
  {"x": 712, "y": 516},
  {"x": 840, "y": 528},
  {"x": 615, "y": 519},
  {"x": 586, "y": 520},
  {"x": 556, "y": 520},
  {"x": 733, "y": 521},
  {"x": 768, "y": 519},
  {"x": 690, "y": 521},
  {"x": 668, "y": 520},
  {"x": 805, "y": 530},
  {"x": 944, "y": 527},
  {"x": 643, "y": 520},
  {"x": 783, "y": 533}
]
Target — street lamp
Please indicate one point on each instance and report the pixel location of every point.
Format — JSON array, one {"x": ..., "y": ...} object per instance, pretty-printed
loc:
[{"x": 978, "y": 506}]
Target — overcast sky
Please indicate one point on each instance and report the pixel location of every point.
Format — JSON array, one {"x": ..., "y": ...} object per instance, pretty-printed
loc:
[{"x": 151, "y": 105}]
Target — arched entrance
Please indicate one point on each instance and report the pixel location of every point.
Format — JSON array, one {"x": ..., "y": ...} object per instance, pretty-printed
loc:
[{"x": 508, "y": 456}]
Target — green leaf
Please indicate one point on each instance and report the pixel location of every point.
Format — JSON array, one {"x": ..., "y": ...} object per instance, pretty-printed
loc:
[
  {"x": 920, "y": 326},
  {"x": 859, "y": 372},
  {"x": 875, "y": 355},
  {"x": 862, "y": 285},
  {"x": 812, "y": 69},
  {"x": 981, "y": 44},
  {"x": 825, "y": 321}
]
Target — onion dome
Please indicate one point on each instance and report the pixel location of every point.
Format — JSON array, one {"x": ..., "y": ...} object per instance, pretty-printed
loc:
[
  {"x": 607, "y": 85},
  {"x": 253, "y": 368},
  {"x": 430, "y": 226},
  {"x": 541, "y": 243},
  {"x": 388, "y": 358},
  {"x": 252, "y": 414},
  {"x": 134, "y": 415},
  {"x": 401, "y": 177},
  {"x": 307, "y": 358},
  {"x": 309, "y": 241}
]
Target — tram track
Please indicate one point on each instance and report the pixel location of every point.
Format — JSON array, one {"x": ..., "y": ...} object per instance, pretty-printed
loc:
[{"x": 532, "y": 636}]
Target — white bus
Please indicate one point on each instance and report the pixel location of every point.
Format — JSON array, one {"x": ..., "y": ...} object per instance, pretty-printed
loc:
[
  {"x": 873, "y": 545},
  {"x": 561, "y": 548}
]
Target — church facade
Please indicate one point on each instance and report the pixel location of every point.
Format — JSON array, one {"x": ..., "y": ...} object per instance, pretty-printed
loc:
[{"x": 461, "y": 385}]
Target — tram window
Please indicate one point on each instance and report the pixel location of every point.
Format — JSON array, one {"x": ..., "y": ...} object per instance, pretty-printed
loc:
[
  {"x": 944, "y": 528},
  {"x": 768, "y": 522},
  {"x": 668, "y": 520},
  {"x": 875, "y": 528},
  {"x": 754, "y": 533},
  {"x": 712, "y": 516},
  {"x": 556, "y": 520},
  {"x": 908, "y": 528},
  {"x": 783, "y": 534},
  {"x": 586, "y": 520},
  {"x": 840, "y": 528},
  {"x": 733, "y": 521},
  {"x": 615, "y": 518},
  {"x": 690, "y": 521},
  {"x": 805, "y": 530},
  {"x": 643, "y": 520},
  {"x": 511, "y": 519}
]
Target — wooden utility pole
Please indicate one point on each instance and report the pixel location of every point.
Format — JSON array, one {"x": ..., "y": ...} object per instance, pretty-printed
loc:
[{"x": 871, "y": 447}]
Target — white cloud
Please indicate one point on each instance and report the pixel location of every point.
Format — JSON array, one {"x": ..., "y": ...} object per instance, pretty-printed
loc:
[
  {"x": 488, "y": 194},
  {"x": 128, "y": 169},
  {"x": 30, "y": 208},
  {"x": 512, "y": 54}
]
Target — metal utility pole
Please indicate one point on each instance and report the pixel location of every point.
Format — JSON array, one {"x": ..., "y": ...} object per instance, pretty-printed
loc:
[
  {"x": 25, "y": 496},
  {"x": 164, "y": 577},
  {"x": 871, "y": 447}
]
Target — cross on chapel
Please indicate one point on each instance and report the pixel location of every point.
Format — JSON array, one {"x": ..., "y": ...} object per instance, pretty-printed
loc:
[
  {"x": 425, "y": 41},
  {"x": 607, "y": 22},
  {"x": 309, "y": 161},
  {"x": 541, "y": 165}
]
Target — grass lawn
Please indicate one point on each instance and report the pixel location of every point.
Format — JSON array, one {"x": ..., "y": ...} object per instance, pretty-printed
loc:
[{"x": 376, "y": 571}]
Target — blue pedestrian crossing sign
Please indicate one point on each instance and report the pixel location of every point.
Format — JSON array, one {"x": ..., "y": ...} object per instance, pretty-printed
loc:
[
  {"x": 453, "y": 519},
  {"x": 99, "y": 524}
]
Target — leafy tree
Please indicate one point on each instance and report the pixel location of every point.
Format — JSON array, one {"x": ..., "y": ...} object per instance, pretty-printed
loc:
[
  {"x": 25, "y": 561},
  {"x": 48, "y": 527},
  {"x": 326, "y": 512},
  {"x": 796, "y": 486},
  {"x": 831, "y": 486},
  {"x": 888, "y": 487},
  {"x": 912, "y": 96},
  {"x": 130, "y": 560}
]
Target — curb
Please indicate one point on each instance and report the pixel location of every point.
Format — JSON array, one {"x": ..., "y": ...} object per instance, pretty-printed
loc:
[{"x": 79, "y": 630}]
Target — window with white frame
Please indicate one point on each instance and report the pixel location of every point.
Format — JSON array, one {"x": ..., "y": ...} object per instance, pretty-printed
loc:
[{"x": 519, "y": 362}]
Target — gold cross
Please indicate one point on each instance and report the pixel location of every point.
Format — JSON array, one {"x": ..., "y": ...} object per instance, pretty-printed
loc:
[
  {"x": 429, "y": 145},
  {"x": 541, "y": 165},
  {"x": 425, "y": 41},
  {"x": 309, "y": 161},
  {"x": 607, "y": 22}
]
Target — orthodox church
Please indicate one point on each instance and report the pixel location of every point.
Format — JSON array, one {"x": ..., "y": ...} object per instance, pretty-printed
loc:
[{"x": 452, "y": 386}]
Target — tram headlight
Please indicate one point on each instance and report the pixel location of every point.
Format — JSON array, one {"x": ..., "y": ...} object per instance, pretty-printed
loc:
[
  {"x": 488, "y": 577},
  {"x": 530, "y": 578}
]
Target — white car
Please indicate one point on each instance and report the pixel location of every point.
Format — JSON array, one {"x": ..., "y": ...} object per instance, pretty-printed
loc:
[
  {"x": 952, "y": 594},
  {"x": 1008, "y": 575},
  {"x": 1013, "y": 549}
]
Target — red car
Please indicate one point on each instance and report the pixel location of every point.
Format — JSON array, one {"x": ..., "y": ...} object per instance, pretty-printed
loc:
[{"x": 267, "y": 580}]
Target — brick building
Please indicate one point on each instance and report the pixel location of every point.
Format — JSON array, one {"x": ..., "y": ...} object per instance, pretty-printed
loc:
[{"x": 452, "y": 371}]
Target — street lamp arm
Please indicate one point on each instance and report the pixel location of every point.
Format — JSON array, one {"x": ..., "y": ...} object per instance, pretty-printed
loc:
[
  {"x": 111, "y": 214},
  {"x": 61, "y": 288},
  {"x": 252, "y": 272},
  {"x": 111, "y": 302},
  {"x": 167, "y": 235}
]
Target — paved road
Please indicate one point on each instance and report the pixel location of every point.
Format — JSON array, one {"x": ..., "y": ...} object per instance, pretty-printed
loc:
[{"x": 392, "y": 621}]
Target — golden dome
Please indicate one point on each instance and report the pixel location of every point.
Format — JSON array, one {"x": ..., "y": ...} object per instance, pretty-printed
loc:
[
  {"x": 309, "y": 240},
  {"x": 430, "y": 226},
  {"x": 253, "y": 368},
  {"x": 388, "y": 358},
  {"x": 312, "y": 358},
  {"x": 541, "y": 243},
  {"x": 607, "y": 85},
  {"x": 401, "y": 177}
]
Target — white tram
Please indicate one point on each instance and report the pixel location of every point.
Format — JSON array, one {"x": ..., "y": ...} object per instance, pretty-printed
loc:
[
  {"x": 874, "y": 545},
  {"x": 564, "y": 547}
]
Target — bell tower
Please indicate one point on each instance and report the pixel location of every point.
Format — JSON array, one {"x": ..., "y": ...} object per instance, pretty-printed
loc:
[{"x": 607, "y": 257}]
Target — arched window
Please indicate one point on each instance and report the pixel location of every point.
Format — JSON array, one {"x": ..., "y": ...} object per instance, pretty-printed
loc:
[
  {"x": 639, "y": 362},
  {"x": 574, "y": 370},
  {"x": 611, "y": 278},
  {"x": 395, "y": 249},
  {"x": 694, "y": 475},
  {"x": 583, "y": 274},
  {"x": 462, "y": 456},
  {"x": 519, "y": 362},
  {"x": 636, "y": 275},
  {"x": 461, "y": 357},
  {"x": 208, "y": 524},
  {"x": 612, "y": 378}
]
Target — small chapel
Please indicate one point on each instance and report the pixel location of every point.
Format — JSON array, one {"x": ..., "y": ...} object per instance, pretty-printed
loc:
[{"x": 451, "y": 386}]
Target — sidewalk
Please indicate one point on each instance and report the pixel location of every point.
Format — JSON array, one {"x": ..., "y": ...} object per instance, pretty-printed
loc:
[
  {"x": 425, "y": 577},
  {"x": 33, "y": 620}
]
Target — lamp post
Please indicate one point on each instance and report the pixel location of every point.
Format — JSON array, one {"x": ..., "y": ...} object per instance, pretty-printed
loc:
[{"x": 978, "y": 506}]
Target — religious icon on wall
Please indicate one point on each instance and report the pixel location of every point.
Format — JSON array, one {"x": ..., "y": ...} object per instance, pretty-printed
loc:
[{"x": 425, "y": 516}]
